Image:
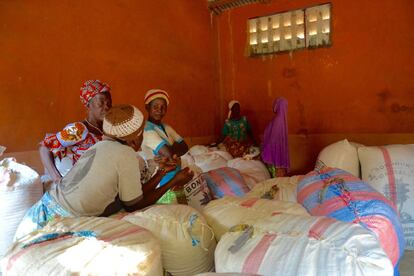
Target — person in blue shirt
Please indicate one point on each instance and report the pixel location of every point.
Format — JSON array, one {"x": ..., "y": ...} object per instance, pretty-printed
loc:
[{"x": 160, "y": 139}]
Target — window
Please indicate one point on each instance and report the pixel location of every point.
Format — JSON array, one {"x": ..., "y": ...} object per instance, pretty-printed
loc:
[{"x": 290, "y": 30}]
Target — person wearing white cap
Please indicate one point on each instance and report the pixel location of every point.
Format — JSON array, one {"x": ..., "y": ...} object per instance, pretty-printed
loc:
[
  {"x": 160, "y": 139},
  {"x": 106, "y": 178}
]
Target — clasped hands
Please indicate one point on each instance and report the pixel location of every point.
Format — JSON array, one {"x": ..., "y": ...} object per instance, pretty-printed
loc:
[{"x": 166, "y": 165}]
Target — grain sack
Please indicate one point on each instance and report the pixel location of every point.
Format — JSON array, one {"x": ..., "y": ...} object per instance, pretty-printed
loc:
[
  {"x": 225, "y": 274},
  {"x": 279, "y": 188},
  {"x": 197, "y": 193},
  {"x": 338, "y": 194},
  {"x": 224, "y": 213},
  {"x": 198, "y": 149},
  {"x": 226, "y": 181},
  {"x": 186, "y": 159},
  {"x": 342, "y": 155},
  {"x": 253, "y": 171},
  {"x": 209, "y": 161},
  {"x": 86, "y": 246},
  {"x": 301, "y": 245},
  {"x": 225, "y": 154},
  {"x": 187, "y": 242},
  {"x": 390, "y": 170},
  {"x": 20, "y": 188}
]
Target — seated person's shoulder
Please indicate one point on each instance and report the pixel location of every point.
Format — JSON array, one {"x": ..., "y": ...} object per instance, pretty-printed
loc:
[
  {"x": 149, "y": 126},
  {"x": 174, "y": 135}
]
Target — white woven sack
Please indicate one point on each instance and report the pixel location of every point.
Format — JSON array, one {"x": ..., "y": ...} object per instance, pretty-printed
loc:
[
  {"x": 296, "y": 245},
  {"x": 186, "y": 159},
  {"x": 225, "y": 154},
  {"x": 390, "y": 170},
  {"x": 118, "y": 248},
  {"x": 187, "y": 242},
  {"x": 198, "y": 149},
  {"x": 226, "y": 212},
  {"x": 225, "y": 274},
  {"x": 342, "y": 155},
  {"x": 253, "y": 171},
  {"x": 279, "y": 188},
  {"x": 20, "y": 188},
  {"x": 210, "y": 161},
  {"x": 197, "y": 193}
]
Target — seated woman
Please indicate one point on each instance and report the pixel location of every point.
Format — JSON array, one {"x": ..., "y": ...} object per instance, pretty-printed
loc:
[
  {"x": 236, "y": 132},
  {"x": 60, "y": 151},
  {"x": 105, "y": 178},
  {"x": 160, "y": 139}
]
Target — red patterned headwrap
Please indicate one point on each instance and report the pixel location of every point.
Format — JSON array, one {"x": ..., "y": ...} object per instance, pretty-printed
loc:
[{"x": 90, "y": 89}]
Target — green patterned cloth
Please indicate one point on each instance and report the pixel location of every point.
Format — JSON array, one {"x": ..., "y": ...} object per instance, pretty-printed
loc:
[
  {"x": 236, "y": 129},
  {"x": 173, "y": 197}
]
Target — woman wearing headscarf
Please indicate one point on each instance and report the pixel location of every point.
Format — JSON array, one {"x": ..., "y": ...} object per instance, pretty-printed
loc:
[
  {"x": 160, "y": 139},
  {"x": 60, "y": 151},
  {"x": 105, "y": 178},
  {"x": 275, "y": 144},
  {"x": 237, "y": 133}
]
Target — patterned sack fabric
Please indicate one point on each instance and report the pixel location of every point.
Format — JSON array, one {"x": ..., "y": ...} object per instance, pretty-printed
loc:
[{"x": 338, "y": 194}]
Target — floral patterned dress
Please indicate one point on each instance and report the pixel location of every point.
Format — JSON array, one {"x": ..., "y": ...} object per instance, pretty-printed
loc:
[{"x": 68, "y": 145}]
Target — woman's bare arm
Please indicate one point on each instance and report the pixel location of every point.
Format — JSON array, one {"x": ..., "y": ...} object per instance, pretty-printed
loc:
[{"x": 49, "y": 163}]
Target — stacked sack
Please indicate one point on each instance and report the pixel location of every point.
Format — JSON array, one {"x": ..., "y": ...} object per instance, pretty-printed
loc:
[
  {"x": 206, "y": 159},
  {"x": 20, "y": 188},
  {"x": 301, "y": 245},
  {"x": 197, "y": 193},
  {"x": 224, "y": 213},
  {"x": 390, "y": 170},
  {"x": 279, "y": 188},
  {"x": 338, "y": 194},
  {"x": 187, "y": 242},
  {"x": 226, "y": 182},
  {"x": 253, "y": 171},
  {"x": 342, "y": 155},
  {"x": 224, "y": 274},
  {"x": 87, "y": 246}
]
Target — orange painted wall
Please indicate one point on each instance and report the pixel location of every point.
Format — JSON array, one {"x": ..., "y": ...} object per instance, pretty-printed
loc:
[
  {"x": 48, "y": 48},
  {"x": 363, "y": 83}
]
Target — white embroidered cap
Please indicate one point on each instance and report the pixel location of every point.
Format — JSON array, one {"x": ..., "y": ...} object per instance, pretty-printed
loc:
[{"x": 123, "y": 122}]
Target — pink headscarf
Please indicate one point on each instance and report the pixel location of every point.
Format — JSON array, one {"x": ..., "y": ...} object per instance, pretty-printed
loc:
[{"x": 275, "y": 143}]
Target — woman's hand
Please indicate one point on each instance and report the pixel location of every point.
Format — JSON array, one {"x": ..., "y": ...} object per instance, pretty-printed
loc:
[
  {"x": 168, "y": 164},
  {"x": 165, "y": 164},
  {"x": 184, "y": 176},
  {"x": 177, "y": 160}
]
